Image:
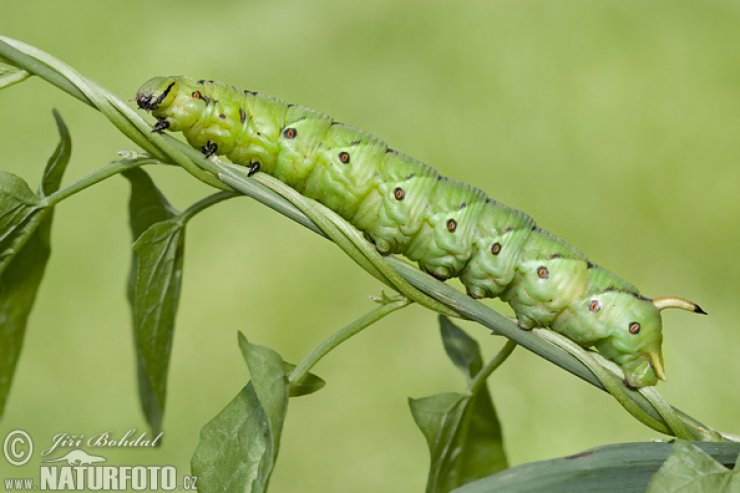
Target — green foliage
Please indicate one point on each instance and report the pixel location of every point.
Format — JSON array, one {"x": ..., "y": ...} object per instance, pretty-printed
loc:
[
  {"x": 462, "y": 430},
  {"x": 624, "y": 467},
  {"x": 153, "y": 290},
  {"x": 25, "y": 227},
  {"x": 689, "y": 469},
  {"x": 238, "y": 448}
]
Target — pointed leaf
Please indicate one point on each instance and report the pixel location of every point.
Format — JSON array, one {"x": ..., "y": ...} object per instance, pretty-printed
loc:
[
  {"x": 156, "y": 294},
  {"x": 462, "y": 349},
  {"x": 270, "y": 382},
  {"x": 238, "y": 448},
  {"x": 234, "y": 447},
  {"x": 19, "y": 283},
  {"x": 25, "y": 230},
  {"x": 689, "y": 469},
  {"x": 624, "y": 467},
  {"x": 57, "y": 164},
  {"x": 462, "y": 430},
  {"x": 307, "y": 384},
  {"x": 148, "y": 206}
]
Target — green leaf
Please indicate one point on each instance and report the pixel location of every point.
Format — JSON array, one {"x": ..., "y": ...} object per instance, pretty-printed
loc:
[
  {"x": 691, "y": 470},
  {"x": 238, "y": 448},
  {"x": 25, "y": 230},
  {"x": 153, "y": 289},
  {"x": 462, "y": 430},
  {"x": 158, "y": 280},
  {"x": 21, "y": 212},
  {"x": 57, "y": 164},
  {"x": 462, "y": 349},
  {"x": 307, "y": 384},
  {"x": 147, "y": 205},
  {"x": 624, "y": 467},
  {"x": 10, "y": 75}
]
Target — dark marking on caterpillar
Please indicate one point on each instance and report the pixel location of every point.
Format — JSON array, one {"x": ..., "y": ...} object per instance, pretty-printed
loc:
[
  {"x": 451, "y": 225},
  {"x": 242, "y": 115},
  {"x": 290, "y": 133},
  {"x": 344, "y": 157}
]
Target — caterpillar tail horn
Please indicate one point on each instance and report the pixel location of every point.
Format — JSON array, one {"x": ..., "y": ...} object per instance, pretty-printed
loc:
[{"x": 663, "y": 302}]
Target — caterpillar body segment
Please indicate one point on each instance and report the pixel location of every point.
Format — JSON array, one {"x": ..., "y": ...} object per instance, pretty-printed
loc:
[{"x": 406, "y": 207}]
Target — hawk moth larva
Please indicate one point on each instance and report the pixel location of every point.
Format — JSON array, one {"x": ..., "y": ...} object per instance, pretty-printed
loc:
[{"x": 404, "y": 206}]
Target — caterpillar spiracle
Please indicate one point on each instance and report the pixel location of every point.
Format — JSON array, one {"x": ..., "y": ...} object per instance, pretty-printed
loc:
[{"x": 406, "y": 207}]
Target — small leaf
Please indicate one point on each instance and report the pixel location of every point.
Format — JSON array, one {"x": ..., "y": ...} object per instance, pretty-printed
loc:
[
  {"x": 238, "y": 448},
  {"x": 153, "y": 335},
  {"x": 623, "y": 467},
  {"x": 462, "y": 430},
  {"x": 689, "y": 469},
  {"x": 25, "y": 230},
  {"x": 307, "y": 384},
  {"x": 57, "y": 164},
  {"x": 10, "y": 75},
  {"x": 462, "y": 349}
]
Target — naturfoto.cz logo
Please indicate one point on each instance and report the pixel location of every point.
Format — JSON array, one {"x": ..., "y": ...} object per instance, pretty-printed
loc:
[{"x": 79, "y": 469}]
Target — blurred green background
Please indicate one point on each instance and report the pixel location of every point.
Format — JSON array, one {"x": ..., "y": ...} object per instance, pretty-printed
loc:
[{"x": 616, "y": 124}]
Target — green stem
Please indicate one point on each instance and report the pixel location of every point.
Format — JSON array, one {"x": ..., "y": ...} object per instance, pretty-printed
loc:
[
  {"x": 677, "y": 426},
  {"x": 618, "y": 391},
  {"x": 491, "y": 366},
  {"x": 343, "y": 334},
  {"x": 205, "y": 203},
  {"x": 97, "y": 176}
]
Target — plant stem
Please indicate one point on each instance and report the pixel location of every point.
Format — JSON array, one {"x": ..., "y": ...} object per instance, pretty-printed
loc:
[
  {"x": 205, "y": 203},
  {"x": 496, "y": 361},
  {"x": 97, "y": 176},
  {"x": 343, "y": 334}
]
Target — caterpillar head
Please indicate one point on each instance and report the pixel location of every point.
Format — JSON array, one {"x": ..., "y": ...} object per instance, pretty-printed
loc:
[
  {"x": 176, "y": 102},
  {"x": 156, "y": 93}
]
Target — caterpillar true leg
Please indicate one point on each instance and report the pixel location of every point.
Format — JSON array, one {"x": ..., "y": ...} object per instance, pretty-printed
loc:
[{"x": 209, "y": 149}]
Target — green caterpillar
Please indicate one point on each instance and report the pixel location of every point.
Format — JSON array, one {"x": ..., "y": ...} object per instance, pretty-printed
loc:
[{"x": 404, "y": 206}]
